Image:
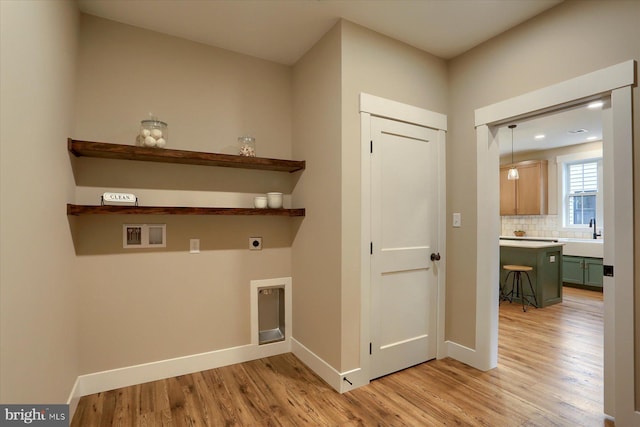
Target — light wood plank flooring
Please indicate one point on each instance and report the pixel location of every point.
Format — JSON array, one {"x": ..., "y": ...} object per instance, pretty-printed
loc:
[{"x": 549, "y": 374}]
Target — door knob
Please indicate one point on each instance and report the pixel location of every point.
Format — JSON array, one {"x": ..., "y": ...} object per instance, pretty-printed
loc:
[{"x": 435, "y": 256}]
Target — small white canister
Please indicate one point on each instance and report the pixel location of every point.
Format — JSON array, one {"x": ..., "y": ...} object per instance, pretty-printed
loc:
[
  {"x": 260, "y": 202},
  {"x": 274, "y": 200}
]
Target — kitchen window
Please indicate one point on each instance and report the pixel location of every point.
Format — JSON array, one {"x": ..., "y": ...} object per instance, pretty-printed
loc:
[{"x": 581, "y": 192}]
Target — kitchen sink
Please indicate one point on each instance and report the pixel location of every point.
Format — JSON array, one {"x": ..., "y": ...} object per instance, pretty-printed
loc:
[{"x": 593, "y": 248}]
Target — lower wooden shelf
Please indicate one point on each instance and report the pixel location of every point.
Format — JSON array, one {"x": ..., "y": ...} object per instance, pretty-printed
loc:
[{"x": 176, "y": 210}]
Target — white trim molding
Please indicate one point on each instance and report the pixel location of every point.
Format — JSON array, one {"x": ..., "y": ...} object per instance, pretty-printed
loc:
[
  {"x": 74, "y": 398},
  {"x": 374, "y": 106},
  {"x": 365, "y": 233},
  {"x": 339, "y": 381},
  {"x": 620, "y": 173},
  {"x": 461, "y": 353},
  {"x": 550, "y": 97},
  {"x": 561, "y": 188},
  {"x": 441, "y": 347},
  {"x": 382, "y": 107},
  {"x": 488, "y": 258},
  {"x": 614, "y": 81},
  {"x": 123, "y": 377}
]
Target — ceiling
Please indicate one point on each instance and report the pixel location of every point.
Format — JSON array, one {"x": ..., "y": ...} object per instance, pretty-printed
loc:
[
  {"x": 283, "y": 30},
  {"x": 571, "y": 126}
]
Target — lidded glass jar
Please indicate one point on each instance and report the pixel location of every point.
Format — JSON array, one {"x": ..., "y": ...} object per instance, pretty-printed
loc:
[
  {"x": 247, "y": 146},
  {"x": 153, "y": 133}
]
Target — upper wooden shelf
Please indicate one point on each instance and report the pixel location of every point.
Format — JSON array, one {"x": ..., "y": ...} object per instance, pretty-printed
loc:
[
  {"x": 176, "y": 210},
  {"x": 163, "y": 155}
]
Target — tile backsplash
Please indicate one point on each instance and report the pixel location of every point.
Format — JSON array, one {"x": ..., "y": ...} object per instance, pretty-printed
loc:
[{"x": 541, "y": 226}]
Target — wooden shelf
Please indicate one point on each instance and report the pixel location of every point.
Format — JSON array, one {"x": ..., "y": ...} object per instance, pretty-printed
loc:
[
  {"x": 162, "y": 155},
  {"x": 176, "y": 210}
]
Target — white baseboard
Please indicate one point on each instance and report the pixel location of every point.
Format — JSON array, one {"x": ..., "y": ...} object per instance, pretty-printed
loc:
[
  {"x": 325, "y": 371},
  {"x": 138, "y": 374},
  {"x": 74, "y": 398},
  {"x": 463, "y": 354}
]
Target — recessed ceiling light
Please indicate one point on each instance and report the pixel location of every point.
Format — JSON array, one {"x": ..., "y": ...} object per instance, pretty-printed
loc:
[
  {"x": 577, "y": 131},
  {"x": 539, "y": 136},
  {"x": 595, "y": 104},
  {"x": 592, "y": 138}
]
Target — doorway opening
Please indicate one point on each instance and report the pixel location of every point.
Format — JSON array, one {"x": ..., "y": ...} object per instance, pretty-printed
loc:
[
  {"x": 615, "y": 81},
  {"x": 545, "y": 225}
]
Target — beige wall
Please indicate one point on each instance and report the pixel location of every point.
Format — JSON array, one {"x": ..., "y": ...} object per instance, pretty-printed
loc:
[
  {"x": 38, "y": 294},
  {"x": 569, "y": 40},
  {"x": 326, "y": 251},
  {"x": 374, "y": 64},
  {"x": 141, "y": 307},
  {"x": 316, "y": 250}
]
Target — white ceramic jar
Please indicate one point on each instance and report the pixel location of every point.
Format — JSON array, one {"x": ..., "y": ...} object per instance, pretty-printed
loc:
[
  {"x": 274, "y": 200},
  {"x": 260, "y": 202}
]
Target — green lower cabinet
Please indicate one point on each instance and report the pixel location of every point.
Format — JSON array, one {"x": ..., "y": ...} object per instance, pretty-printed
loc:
[
  {"x": 582, "y": 271},
  {"x": 573, "y": 270},
  {"x": 593, "y": 272}
]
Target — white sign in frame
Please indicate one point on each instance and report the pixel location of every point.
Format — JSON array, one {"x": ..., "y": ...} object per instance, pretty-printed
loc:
[{"x": 125, "y": 198}]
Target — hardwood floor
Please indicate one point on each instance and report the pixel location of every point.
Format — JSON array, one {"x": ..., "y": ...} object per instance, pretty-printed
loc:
[{"x": 549, "y": 374}]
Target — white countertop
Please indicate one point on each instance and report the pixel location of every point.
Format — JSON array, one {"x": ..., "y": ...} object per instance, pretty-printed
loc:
[
  {"x": 529, "y": 244},
  {"x": 576, "y": 247},
  {"x": 537, "y": 239}
]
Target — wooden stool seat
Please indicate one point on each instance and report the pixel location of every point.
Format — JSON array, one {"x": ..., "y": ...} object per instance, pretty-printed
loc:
[
  {"x": 517, "y": 268},
  {"x": 517, "y": 286}
]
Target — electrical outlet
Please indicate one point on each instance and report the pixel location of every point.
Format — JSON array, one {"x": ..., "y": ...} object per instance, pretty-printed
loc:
[{"x": 255, "y": 243}]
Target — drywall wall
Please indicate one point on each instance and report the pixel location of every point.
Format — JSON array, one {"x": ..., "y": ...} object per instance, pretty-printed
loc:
[
  {"x": 317, "y": 255},
  {"x": 569, "y": 40},
  {"x": 326, "y": 253},
  {"x": 208, "y": 96},
  {"x": 138, "y": 307},
  {"x": 374, "y": 64},
  {"x": 38, "y": 294}
]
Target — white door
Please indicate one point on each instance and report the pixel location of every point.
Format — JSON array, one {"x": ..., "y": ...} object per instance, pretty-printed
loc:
[{"x": 404, "y": 171}]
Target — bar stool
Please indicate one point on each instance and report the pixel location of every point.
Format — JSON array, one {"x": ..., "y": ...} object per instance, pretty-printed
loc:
[{"x": 517, "y": 286}]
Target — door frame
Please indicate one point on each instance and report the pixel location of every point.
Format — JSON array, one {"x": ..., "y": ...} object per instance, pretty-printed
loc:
[
  {"x": 615, "y": 81},
  {"x": 374, "y": 106}
]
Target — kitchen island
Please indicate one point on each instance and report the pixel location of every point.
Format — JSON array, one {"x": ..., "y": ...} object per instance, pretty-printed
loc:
[{"x": 546, "y": 259}]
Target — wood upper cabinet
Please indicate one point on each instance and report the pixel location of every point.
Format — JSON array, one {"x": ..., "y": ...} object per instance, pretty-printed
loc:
[{"x": 527, "y": 195}]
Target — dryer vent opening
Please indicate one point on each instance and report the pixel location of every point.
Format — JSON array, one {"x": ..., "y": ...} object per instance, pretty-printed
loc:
[{"x": 271, "y": 314}]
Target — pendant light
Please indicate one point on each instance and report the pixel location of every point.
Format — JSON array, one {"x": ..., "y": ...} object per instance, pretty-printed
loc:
[{"x": 513, "y": 172}]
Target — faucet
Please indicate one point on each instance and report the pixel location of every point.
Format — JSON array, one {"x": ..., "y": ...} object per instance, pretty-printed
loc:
[{"x": 592, "y": 223}]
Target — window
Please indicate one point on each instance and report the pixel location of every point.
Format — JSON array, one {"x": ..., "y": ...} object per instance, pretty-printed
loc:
[{"x": 581, "y": 190}]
